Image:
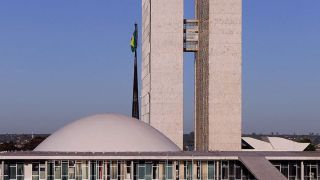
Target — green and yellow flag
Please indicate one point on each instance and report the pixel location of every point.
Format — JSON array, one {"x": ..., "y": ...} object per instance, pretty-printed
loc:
[{"x": 134, "y": 39}]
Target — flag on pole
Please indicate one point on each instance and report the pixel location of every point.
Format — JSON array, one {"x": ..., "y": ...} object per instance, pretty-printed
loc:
[{"x": 134, "y": 42}]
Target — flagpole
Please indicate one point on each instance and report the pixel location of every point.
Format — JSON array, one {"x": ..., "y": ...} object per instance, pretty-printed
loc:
[{"x": 135, "y": 99}]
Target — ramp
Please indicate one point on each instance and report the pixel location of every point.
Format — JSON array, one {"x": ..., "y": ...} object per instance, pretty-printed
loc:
[{"x": 261, "y": 168}]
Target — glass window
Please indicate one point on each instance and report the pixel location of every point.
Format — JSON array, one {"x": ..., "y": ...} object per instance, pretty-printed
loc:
[
  {"x": 284, "y": 169},
  {"x": 64, "y": 168},
  {"x": 292, "y": 170},
  {"x": 313, "y": 172},
  {"x": 211, "y": 170},
  {"x": 50, "y": 169},
  {"x": 189, "y": 170},
  {"x": 20, "y": 169},
  {"x": 6, "y": 171},
  {"x": 1, "y": 170},
  {"x": 35, "y": 169},
  {"x": 148, "y": 169},
  {"x": 72, "y": 172},
  {"x": 224, "y": 170},
  {"x": 238, "y": 171},
  {"x": 42, "y": 171},
  {"x": 85, "y": 169},
  {"x": 231, "y": 168},
  {"x": 114, "y": 170},
  {"x": 128, "y": 175},
  {"x": 93, "y": 170},
  {"x": 169, "y": 171},
  {"x": 108, "y": 171},
  {"x": 100, "y": 170},
  {"x": 57, "y": 170},
  {"x": 142, "y": 171},
  {"x": 57, "y": 173},
  {"x": 13, "y": 171},
  {"x": 318, "y": 169},
  {"x": 78, "y": 169},
  {"x": 155, "y": 172},
  {"x": 198, "y": 169}
]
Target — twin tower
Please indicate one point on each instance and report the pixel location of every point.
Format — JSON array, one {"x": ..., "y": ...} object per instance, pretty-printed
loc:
[{"x": 214, "y": 35}]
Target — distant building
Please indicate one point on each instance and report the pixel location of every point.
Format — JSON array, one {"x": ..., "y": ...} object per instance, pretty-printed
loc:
[{"x": 274, "y": 144}]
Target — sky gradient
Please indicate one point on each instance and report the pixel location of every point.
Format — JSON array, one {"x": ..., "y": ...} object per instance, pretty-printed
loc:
[{"x": 62, "y": 60}]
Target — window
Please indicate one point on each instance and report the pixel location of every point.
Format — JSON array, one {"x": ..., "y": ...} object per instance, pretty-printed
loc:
[
  {"x": 6, "y": 171},
  {"x": 284, "y": 169},
  {"x": 57, "y": 170},
  {"x": 148, "y": 171},
  {"x": 35, "y": 171},
  {"x": 108, "y": 170},
  {"x": 142, "y": 171},
  {"x": 313, "y": 171},
  {"x": 169, "y": 170},
  {"x": 50, "y": 170},
  {"x": 114, "y": 170},
  {"x": 72, "y": 170},
  {"x": 292, "y": 170},
  {"x": 128, "y": 175},
  {"x": 93, "y": 170},
  {"x": 225, "y": 169},
  {"x": 1, "y": 175},
  {"x": 155, "y": 171},
  {"x": 78, "y": 170},
  {"x": 85, "y": 170},
  {"x": 198, "y": 169},
  {"x": 64, "y": 170},
  {"x": 211, "y": 170},
  {"x": 20, "y": 171},
  {"x": 238, "y": 171},
  {"x": 42, "y": 170},
  {"x": 187, "y": 170},
  {"x": 13, "y": 171},
  {"x": 100, "y": 170}
]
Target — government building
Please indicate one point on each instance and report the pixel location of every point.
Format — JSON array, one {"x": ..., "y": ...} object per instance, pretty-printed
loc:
[{"x": 116, "y": 147}]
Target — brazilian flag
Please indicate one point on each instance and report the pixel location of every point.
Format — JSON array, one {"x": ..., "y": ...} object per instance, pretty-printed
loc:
[{"x": 134, "y": 39}]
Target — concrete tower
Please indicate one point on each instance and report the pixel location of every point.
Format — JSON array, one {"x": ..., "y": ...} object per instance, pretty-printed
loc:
[
  {"x": 215, "y": 38},
  {"x": 162, "y": 67},
  {"x": 218, "y": 75}
]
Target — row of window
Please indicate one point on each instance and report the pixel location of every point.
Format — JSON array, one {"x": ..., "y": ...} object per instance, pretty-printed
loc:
[
  {"x": 293, "y": 171},
  {"x": 122, "y": 170}
]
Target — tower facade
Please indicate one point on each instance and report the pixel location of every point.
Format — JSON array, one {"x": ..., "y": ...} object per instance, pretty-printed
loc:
[
  {"x": 214, "y": 35},
  {"x": 218, "y": 75},
  {"x": 162, "y": 67}
]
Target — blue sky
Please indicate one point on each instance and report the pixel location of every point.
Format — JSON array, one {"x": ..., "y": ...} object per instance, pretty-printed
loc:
[{"x": 62, "y": 60}]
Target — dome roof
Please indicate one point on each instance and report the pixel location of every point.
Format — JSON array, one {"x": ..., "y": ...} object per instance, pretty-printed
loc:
[{"x": 107, "y": 133}]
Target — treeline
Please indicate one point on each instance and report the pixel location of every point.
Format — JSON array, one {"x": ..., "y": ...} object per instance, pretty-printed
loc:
[{"x": 29, "y": 146}]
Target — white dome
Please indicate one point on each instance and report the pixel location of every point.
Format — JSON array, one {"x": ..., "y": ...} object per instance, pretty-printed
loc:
[{"x": 107, "y": 133}]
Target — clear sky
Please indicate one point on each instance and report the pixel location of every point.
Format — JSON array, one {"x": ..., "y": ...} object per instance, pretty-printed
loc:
[{"x": 62, "y": 60}]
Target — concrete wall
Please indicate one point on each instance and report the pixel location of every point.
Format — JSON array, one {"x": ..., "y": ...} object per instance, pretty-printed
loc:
[
  {"x": 222, "y": 90},
  {"x": 202, "y": 78},
  {"x": 162, "y": 67},
  {"x": 28, "y": 171}
]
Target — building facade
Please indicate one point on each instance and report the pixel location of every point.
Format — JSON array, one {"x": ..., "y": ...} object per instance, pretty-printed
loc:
[
  {"x": 159, "y": 166},
  {"x": 218, "y": 75},
  {"x": 162, "y": 67},
  {"x": 215, "y": 38}
]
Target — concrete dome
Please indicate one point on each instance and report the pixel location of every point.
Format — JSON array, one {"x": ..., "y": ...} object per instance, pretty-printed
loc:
[{"x": 107, "y": 133}]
